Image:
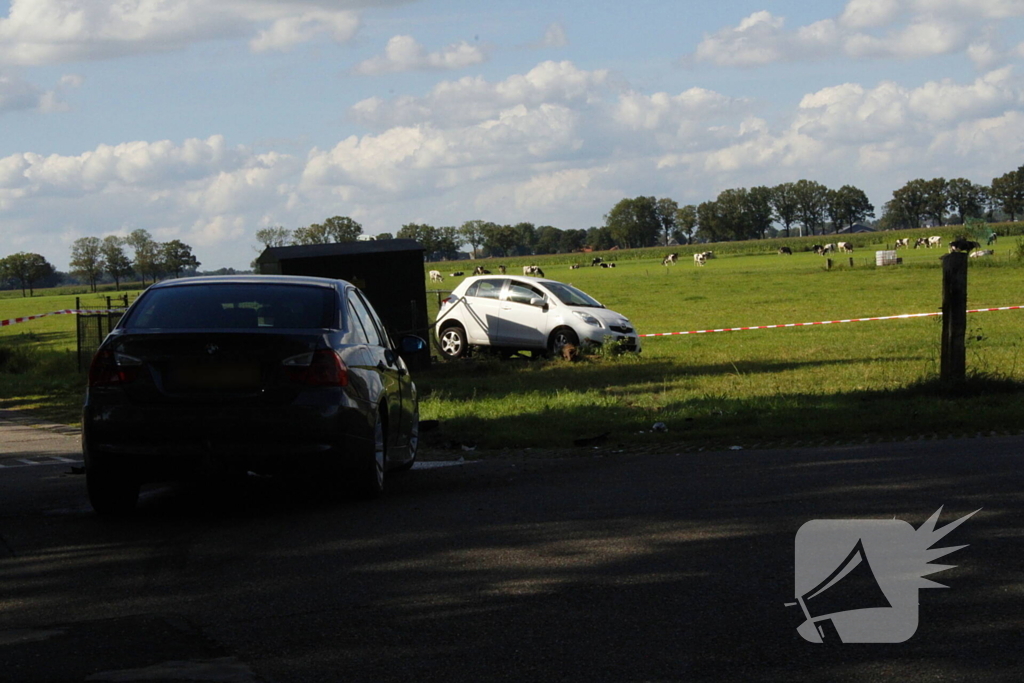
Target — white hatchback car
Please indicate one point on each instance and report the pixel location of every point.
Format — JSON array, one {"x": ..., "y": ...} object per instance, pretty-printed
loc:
[{"x": 526, "y": 314}]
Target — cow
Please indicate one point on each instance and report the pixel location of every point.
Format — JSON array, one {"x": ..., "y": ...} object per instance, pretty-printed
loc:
[
  {"x": 982, "y": 252},
  {"x": 845, "y": 247},
  {"x": 828, "y": 249},
  {"x": 457, "y": 273},
  {"x": 963, "y": 244},
  {"x": 480, "y": 270},
  {"x": 929, "y": 242},
  {"x": 992, "y": 238},
  {"x": 671, "y": 258},
  {"x": 818, "y": 248},
  {"x": 905, "y": 243},
  {"x": 785, "y": 250},
  {"x": 435, "y": 276},
  {"x": 533, "y": 270},
  {"x": 700, "y": 258},
  {"x": 501, "y": 269},
  {"x": 607, "y": 265},
  {"x": 574, "y": 266},
  {"x": 597, "y": 261},
  {"x": 709, "y": 255}
]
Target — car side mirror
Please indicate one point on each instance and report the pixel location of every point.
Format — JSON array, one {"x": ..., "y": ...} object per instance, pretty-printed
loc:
[
  {"x": 410, "y": 345},
  {"x": 539, "y": 302}
]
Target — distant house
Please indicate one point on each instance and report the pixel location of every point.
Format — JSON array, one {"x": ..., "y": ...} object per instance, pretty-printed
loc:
[{"x": 856, "y": 228}]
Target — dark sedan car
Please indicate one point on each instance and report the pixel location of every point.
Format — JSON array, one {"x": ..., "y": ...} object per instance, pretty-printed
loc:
[{"x": 270, "y": 374}]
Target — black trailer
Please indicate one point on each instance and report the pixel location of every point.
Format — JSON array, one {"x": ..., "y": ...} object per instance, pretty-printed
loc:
[{"x": 389, "y": 272}]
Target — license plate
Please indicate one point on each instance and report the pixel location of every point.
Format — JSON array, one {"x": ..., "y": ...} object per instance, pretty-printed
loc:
[{"x": 222, "y": 376}]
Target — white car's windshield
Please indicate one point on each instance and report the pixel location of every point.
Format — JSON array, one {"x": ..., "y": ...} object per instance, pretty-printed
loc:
[{"x": 570, "y": 296}]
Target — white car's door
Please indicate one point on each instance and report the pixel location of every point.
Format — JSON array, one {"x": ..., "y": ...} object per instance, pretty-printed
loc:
[
  {"x": 480, "y": 312},
  {"x": 524, "y": 317}
]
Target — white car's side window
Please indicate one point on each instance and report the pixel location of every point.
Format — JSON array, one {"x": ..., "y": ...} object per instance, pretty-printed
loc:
[
  {"x": 523, "y": 294},
  {"x": 486, "y": 289}
]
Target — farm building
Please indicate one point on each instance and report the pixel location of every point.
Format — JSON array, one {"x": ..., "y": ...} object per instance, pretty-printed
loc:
[{"x": 389, "y": 272}]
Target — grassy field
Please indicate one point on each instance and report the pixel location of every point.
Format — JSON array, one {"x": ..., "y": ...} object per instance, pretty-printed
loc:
[
  {"x": 38, "y": 361},
  {"x": 843, "y": 381}
]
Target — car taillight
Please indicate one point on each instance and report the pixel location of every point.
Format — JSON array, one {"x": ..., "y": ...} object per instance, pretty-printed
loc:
[
  {"x": 321, "y": 368},
  {"x": 109, "y": 368},
  {"x": 449, "y": 301}
]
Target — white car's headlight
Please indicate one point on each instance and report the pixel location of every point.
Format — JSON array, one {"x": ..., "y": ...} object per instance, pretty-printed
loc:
[{"x": 587, "y": 318}]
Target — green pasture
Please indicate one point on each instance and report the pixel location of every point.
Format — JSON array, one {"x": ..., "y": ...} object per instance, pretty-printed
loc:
[
  {"x": 844, "y": 381},
  {"x": 38, "y": 363}
]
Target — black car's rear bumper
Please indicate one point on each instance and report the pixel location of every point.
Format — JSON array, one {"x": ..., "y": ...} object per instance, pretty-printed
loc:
[{"x": 153, "y": 443}]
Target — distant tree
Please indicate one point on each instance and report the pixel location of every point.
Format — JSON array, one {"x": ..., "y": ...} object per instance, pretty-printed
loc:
[
  {"x": 634, "y": 222},
  {"x": 146, "y": 260},
  {"x": 600, "y": 238},
  {"x": 686, "y": 223},
  {"x": 500, "y": 240},
  {"x": 311, "y": 234},
  {"x": 966, "y": 199},
  {"x": 759, "y": 210},
  {"x": 472, "y": 234},
  {"x": 26, "y": 269},
  {"x": 847, "y": 206},
  {"x": 526, "y": 238},
  {"x": 548, "y": 240},
  {"x": 176, "y": 257},
  {"x": 785, "y": 205},
  {"x": 87, "y": 259},
  {"x": 426, "y": 235},
  {"x": 275, "y": 236},
  {"x": 908, "y": 207},
  {"x": 936, "y": 200},
  {"x": 572, "y": 240},
  {"x": 733, "y": 219},
  {"x": 711, "y": 224},
  {"x": 343, "y": 229},
  {"x": 1007, "y": 193},
  {"x": 449, "y": 242},
  {"x": 811, "y": 200},
  {"x": 666, "y": 210},
  {"x": 385, "y": 236},
  {"x": 118, "y": 265}
]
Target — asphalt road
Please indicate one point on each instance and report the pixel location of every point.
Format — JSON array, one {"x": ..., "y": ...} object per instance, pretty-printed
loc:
[{"x": 596, "y": 567}]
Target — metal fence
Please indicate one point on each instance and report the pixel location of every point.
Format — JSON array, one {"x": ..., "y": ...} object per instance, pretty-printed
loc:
[{"x": 93, "y": 328}]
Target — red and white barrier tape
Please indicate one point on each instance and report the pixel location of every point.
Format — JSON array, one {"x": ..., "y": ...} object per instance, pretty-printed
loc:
[
  {"x": 830, "y": 322},
  {"x": 14, "y": 321}
]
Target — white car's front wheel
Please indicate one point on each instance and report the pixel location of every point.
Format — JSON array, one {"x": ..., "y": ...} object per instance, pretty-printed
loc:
[{"x": 453, "y": 342}]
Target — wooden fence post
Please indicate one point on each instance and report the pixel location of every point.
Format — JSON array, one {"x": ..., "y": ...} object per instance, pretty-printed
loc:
[{"x": 954, "y": 318}]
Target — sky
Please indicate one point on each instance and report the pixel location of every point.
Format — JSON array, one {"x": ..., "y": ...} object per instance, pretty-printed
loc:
[{"x": 206, "y": 120}]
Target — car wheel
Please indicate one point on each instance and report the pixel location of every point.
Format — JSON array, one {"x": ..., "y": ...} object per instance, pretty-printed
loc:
[
  {"x": 453, "y": 342},
  {"x": 111, "y": 493},
  {"x": 368, "y": 477},
  {"x": 414, "y": 443},
  {"x": 561, "y": 337}
]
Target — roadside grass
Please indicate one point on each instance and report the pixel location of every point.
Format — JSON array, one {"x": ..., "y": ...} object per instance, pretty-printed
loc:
[
  {"x": 38, "y": 360},
  {"x": 843, "y": 381}
]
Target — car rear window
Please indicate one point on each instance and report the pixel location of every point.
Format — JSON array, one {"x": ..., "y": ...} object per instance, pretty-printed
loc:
[{"x": 235, "y": 306}]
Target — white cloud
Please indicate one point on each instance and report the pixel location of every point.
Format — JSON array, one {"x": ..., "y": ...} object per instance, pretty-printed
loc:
[
  {"x": 18, "y": 94},
  {"x": 39, "y": 32},
  {"x": 866, "y": 29},
  {"x": 403, "y": 53},
  {"x": 287, "y": 32},
  {"x": 473, "y": 99},
  {"x": 650, "y": 112}
]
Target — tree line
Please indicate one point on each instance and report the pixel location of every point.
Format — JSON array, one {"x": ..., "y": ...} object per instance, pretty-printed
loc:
[
  {"x": 805, "y": 207},
  {"x": 93, "y": 258}
]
